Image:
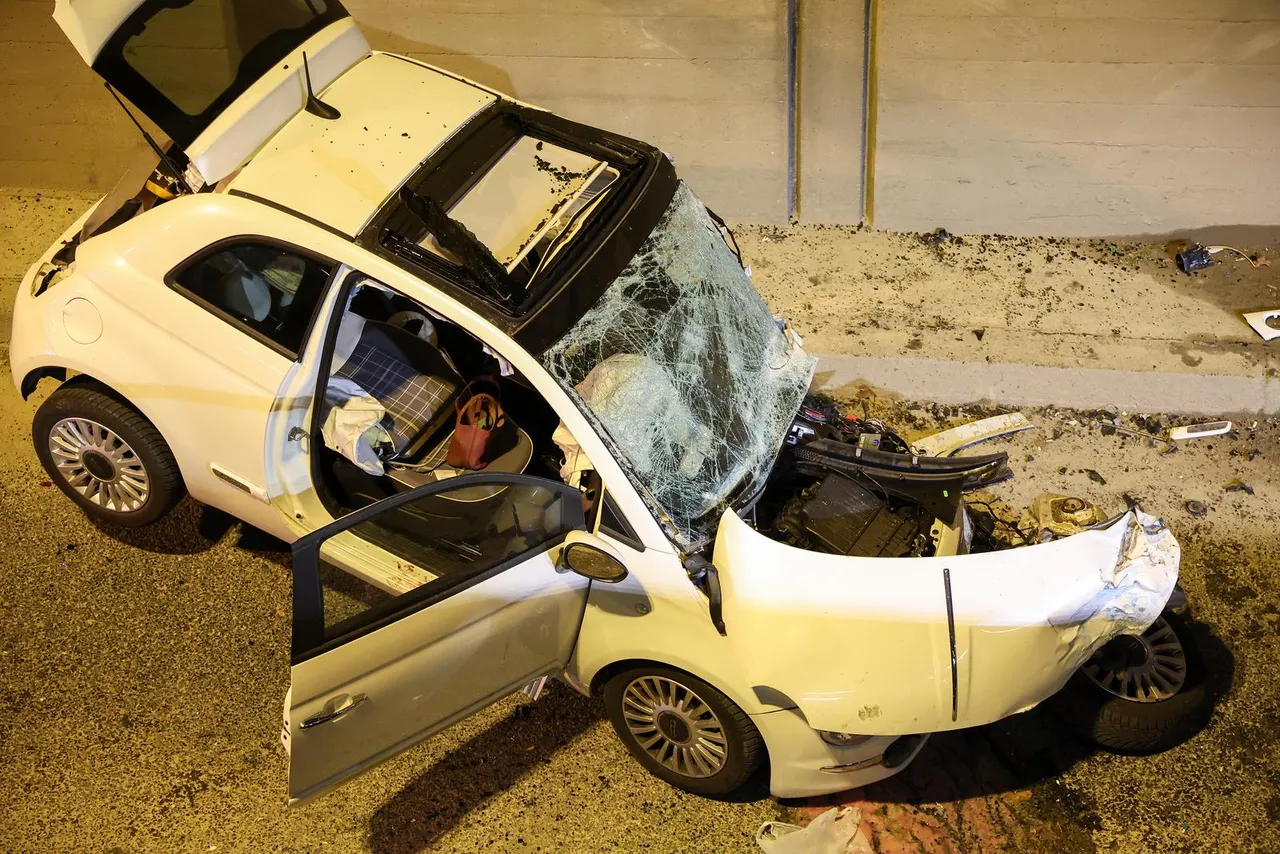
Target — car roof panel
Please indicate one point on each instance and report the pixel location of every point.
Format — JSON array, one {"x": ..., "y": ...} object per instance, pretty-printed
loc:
[{"x": 394, "y": 114}]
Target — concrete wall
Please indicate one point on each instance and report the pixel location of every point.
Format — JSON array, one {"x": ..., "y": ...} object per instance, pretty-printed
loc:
[
  {"x": 705, "y": 81},
  {"x": 1077, "y": 117},
  {"x": 832, "y": 110}
]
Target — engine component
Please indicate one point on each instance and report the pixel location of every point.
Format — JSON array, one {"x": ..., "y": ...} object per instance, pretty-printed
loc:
[
  {"x": 935, "y": 483},
  {"x": 840, "y": 516},
  {"x": 1051, "y": 516}
]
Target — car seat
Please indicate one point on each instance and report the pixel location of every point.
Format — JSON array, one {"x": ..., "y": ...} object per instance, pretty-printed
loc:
[{"x": 419, "y": 389}]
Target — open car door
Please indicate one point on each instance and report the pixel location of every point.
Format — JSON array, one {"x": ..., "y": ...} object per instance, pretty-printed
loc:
[{"x": 374, "y": 673}]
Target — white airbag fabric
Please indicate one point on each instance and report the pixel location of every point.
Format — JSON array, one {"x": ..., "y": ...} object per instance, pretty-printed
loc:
[{"x": 353, "y": 424}]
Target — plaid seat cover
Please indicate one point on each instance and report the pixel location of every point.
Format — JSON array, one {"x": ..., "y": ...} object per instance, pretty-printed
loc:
[{"x": 413, "y": 400}]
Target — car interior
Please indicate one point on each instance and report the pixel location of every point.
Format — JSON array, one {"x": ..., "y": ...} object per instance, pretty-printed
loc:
[{"x": 396, "y": 378}]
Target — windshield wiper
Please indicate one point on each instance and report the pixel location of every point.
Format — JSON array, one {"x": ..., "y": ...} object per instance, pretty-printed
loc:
[{"x": 456, "y": 239}]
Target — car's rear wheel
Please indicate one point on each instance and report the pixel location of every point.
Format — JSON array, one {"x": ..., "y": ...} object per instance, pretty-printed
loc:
[
  {"x": 106, "y": 457},
  {"x": 683, "y": 730},
  {"x": 1140, "y": 694}
]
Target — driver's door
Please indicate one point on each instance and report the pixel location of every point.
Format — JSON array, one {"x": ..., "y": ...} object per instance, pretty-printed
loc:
[{"x": 374, "y": 673}]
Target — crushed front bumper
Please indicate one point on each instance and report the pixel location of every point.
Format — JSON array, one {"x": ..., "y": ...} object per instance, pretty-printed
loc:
[{"x": 894, "y": 646}]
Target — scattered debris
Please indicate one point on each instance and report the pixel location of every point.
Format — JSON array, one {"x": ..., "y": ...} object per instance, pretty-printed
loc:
[
  {"x": 1237, "y": 485},
  {"x": 1197, "y": 257},
  {"x": 1095, "y": 477},
  {"x": 1194, "y": 257},
  {"x": 947, "y": 442},
  {"x": 836, "y": 831},
  {"x": 937, "y": 237},
  {"x": 1053, "y": 515},
  {"x": 978, "y": 333},
  {"x": 1254, "y": 261},
  {"x": 1197, "y": 509},
  {"x": 1200, "y": 431},
  {"x": 1265, "y": 323}
]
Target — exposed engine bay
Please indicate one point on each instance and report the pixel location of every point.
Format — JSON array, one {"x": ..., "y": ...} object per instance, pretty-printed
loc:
[{"x": 853, "y": 486}]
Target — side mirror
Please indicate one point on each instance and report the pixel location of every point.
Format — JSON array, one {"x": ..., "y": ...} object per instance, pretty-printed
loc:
[{"x": 592, "y": 562}]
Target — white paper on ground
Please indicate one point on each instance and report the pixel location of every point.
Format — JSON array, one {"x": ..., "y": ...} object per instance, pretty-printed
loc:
[{"x": 836, "y": 831}]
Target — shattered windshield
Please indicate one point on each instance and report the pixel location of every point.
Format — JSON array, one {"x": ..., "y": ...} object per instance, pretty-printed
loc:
[{"x": 685, "y": 372}]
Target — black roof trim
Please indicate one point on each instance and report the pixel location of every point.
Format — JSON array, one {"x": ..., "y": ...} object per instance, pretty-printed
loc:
[{"x": 578, "y": 276}]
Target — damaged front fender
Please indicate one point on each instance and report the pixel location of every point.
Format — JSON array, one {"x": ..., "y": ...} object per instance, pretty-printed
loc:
[{"x": 887, "y": 646}]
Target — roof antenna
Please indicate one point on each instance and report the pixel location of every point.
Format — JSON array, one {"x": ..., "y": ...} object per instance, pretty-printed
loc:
[
  {"x": 315, "y": 106},
  {"x": 177, "y": 173}
]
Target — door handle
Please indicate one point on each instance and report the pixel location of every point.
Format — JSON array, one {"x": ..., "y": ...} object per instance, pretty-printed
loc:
[{"x": 325, "y": 717}]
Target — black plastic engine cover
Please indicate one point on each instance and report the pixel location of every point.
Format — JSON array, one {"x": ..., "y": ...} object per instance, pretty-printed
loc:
[{"x": 841, "y": 516}]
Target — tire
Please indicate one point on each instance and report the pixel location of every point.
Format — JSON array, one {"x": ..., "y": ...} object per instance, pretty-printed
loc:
[
  {"x": 114, "y": 464},
  {"x": 1130, "y": 726},
  {"x": 715, "y": 757}
]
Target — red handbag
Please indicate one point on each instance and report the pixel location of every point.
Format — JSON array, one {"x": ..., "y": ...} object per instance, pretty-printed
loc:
[{"x": 479, "y": 423}]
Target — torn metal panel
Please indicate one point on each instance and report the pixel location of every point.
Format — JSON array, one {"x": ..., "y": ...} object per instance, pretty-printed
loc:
[
  {"x": 947, "y": 442},
  {"x": 685, "y": 373},
  {"x": 869, "y": 644}
]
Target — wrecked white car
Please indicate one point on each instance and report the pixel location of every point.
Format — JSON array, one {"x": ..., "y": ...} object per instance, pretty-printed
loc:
[{"x": 508, "y": 373}]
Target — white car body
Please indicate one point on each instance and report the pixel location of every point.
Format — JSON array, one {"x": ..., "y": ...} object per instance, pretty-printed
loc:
[{"x": 882, "y": 647}]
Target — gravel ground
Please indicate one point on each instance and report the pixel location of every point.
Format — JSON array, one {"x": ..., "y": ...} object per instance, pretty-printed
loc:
[{"x": 141, "y": 677}]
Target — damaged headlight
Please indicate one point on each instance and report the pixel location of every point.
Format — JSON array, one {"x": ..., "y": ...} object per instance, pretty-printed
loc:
[{"x": 842, "y": 739}]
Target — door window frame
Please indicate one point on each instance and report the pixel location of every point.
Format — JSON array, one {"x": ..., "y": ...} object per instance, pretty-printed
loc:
[
  {"x": 624, "y": 533},
  {"x": 202, "y": 255},
  {"x": 310, "y": 636}
]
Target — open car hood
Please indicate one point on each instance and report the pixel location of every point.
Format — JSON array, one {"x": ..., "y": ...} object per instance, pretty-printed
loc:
[
  {"x": 219, "y": 77},
  {"x": 888, "y": 646}
]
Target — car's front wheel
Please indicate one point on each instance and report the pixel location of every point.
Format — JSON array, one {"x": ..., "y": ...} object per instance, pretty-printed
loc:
[
  {"x": 683, "y": 730},
  {"x": 1141, "y": 694},
  {"x": 106, "y": 457}
]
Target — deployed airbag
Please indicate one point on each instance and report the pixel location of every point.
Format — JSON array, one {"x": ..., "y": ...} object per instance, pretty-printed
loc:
[{"x": 689, "y": 378}]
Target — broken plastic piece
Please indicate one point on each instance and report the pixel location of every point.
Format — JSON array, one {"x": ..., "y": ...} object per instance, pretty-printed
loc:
[
  {"x": 836, "y": 831},
  {"x": 1237, "y": 485},
  {"x": 1194, "y": 257},
  {"x": 1200, "y": 431},
  {"x": 947, "y": 442},
  {"x": 1261, "y": 262},
  {"x": 1265, "y": 323},
  {"x": 1197, "y": 509}
]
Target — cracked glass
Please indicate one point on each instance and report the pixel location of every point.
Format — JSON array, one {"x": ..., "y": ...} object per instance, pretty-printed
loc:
[{"x": 685, "y": 373}]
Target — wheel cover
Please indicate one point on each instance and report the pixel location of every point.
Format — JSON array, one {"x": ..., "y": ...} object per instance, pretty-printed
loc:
[
  {"x": 1145, "y": 669},
  {"x": 99, "y": 465},
  {"x": 674, "y": 726}
]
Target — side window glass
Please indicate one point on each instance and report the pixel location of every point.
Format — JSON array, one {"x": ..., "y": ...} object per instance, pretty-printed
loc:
[
  {"x": 458, "y": 535},
  {"x": 613, "y": 523},
  {"x": 269, "y": 291},
  {"x": 347, "y": 597}
]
